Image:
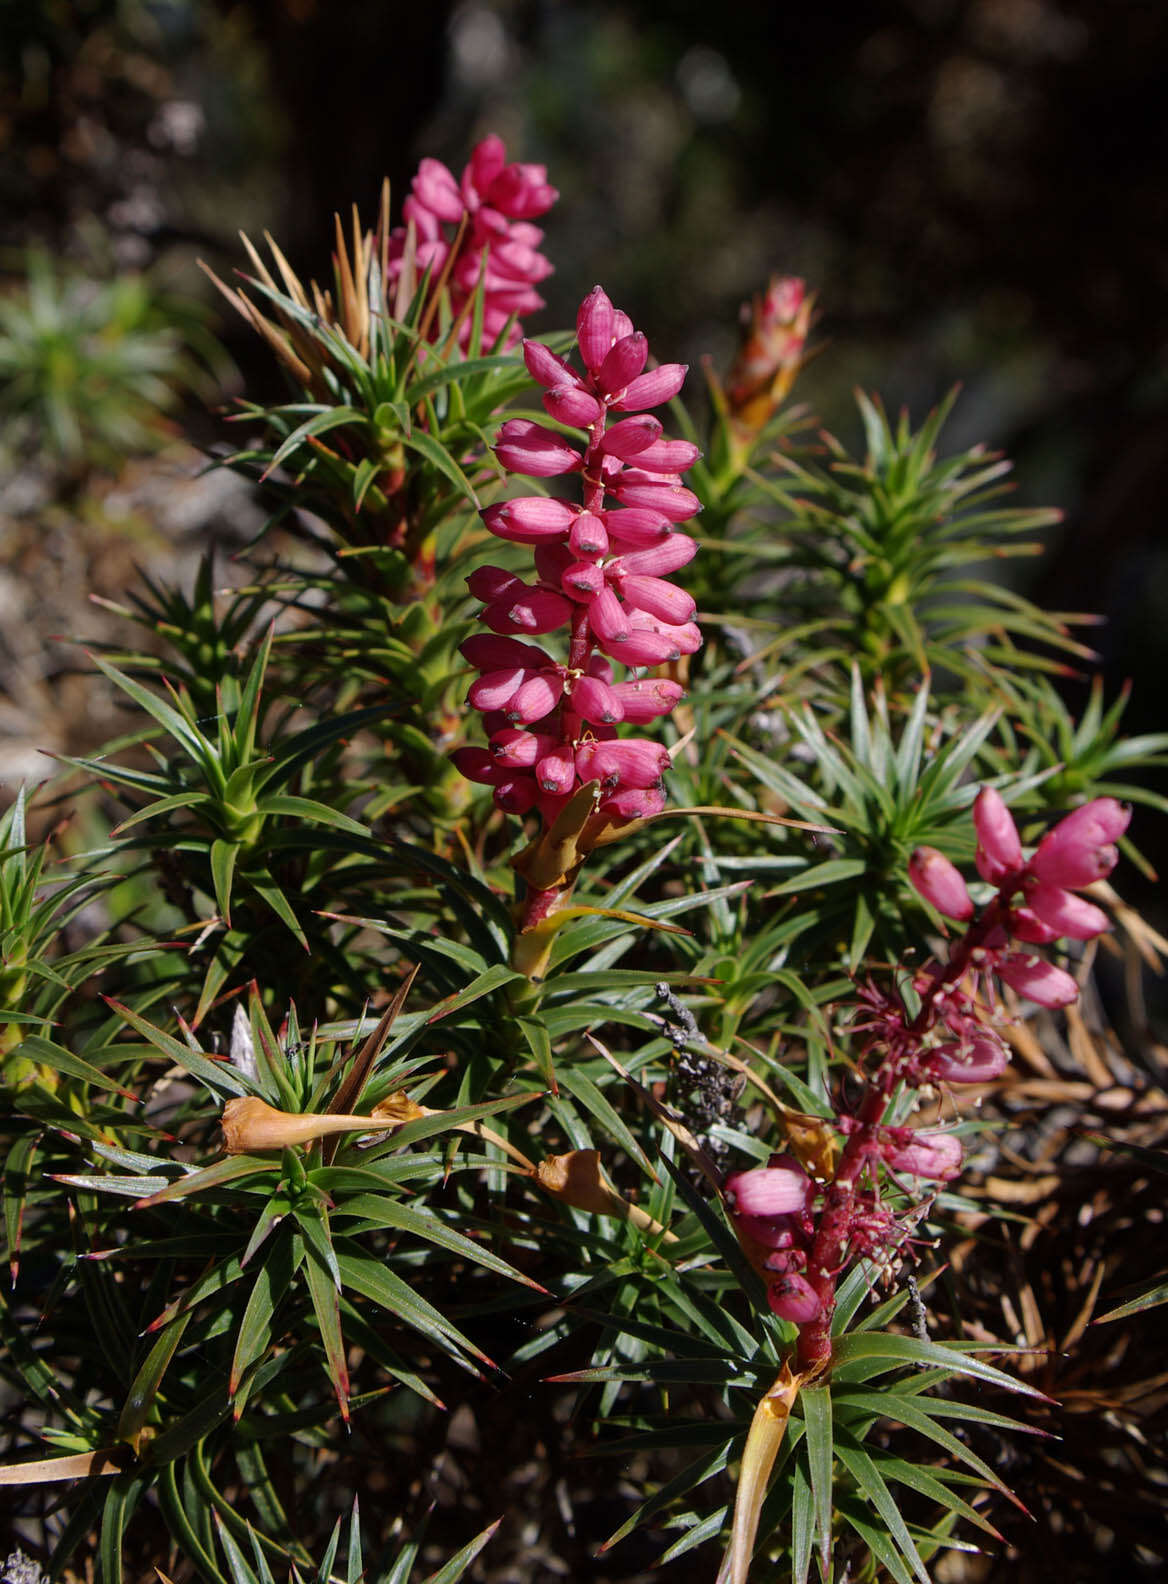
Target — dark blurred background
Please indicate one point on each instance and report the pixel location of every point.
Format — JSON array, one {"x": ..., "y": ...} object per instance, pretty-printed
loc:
[{"x": 975, "y": 188}]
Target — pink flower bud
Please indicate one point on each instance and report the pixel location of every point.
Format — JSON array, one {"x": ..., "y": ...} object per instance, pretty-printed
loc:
[
  {"x": 436, "y": 189},
  {"x": 793, "y": 1298},
  {"x": 979, "y": 1059},
  {"x": 517, "y": 795},
  {"x": 487, "y": 160},
  {"x": 527, "y": 447},
  {"x": 623, "y": 363},
  {"x": 556, "y": 771},
  {"x": 536, "y": 697},
  {"x": 940, "y": 883},
  {"x": 782, "y": 1262},
  {"x": 673, "y": 501},
  {"x": 650, "y": 390},
  {"x": 634, "y": 802},
  {"x": 607, "y": 617},
  {"x": 487, "y": 652},
  {"x": 570, "y": 404},
  {"x": 594, "y": 328},
  {"x": 999, "y": 847},
  {"x": 521, "y": 191},
  {"x": 1037, "y": 980},
  {"x": 529, "y": 519},
  {"x": 519, "y": 749},
  {"x": 582, "y": 580},
  {"x": 686, "y": 638},
  {"x": 773, "y": 1232},
  {"x": 528, "y": 610},
  {"x": 1066, "y": 913},
  {"x": 1027, "y": 926},
  {"x": 669, "y": 555},
  {"x": 476, "y": 764},
  {"x": 551, "y": 371},
  {"x": 493, "y": 690},
  {"x": 668, "y": 456},
  {"x": 492, "y": 583},
  {"x": 637, "y": 528},
  {"x": 629, "y": 762},
  {"x": 767, "y": 1191},
  {"x": 659, "y": 598},
  {"x": 929, "y": 1153},
  {"x": 588, "y": 536},
  {"x": 596, "y": 701},
  {"x": 637, "y": 648},
  {"x": 630, "y": 435},
  {"x": 647, "y": 700},
  {"x": 552, "y": 559},
  {"x": 1079, "y": 849}
]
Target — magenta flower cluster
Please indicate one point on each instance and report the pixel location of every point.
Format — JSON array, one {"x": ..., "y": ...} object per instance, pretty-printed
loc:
[
  {"x": 802, "y": 1235},
  {"x": 1036, "y": 900},
  {"x": 602, "y": 574},
  {"x": 486, "y": 219}
]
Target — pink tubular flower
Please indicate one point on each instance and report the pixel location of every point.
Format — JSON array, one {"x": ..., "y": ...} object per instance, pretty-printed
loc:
[
  {"x": 497, "y": 250},
  {"x": 1065, "y": 913},
  {"x": 1080, "y": 849},
  {"x": 979, "y": 1059},
  {"x": 999, "y": 847},
  {"x": 940, "y": 883},
  {"x": 792, "y": 1297},
  {"x": 767, "y": 1191},
  {"x": 1037, "y": 980},
  {"x": 603, "y": 573},
  {"x": 930, "y": 1153}
]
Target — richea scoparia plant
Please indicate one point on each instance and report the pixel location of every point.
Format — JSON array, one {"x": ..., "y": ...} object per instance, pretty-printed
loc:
[{"x": 560, "y": 920}]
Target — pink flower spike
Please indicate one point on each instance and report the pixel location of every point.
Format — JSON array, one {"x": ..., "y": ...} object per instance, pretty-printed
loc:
[
  {"x": 623, "y": 363},
  {"x": 543, "y": 365},
  {"x": 1037, "y": 980},
  {"x": 527, "y": 447},
  {"x": 940, "y": 883},
  {"x": 1066, "y": 913},
  {"x": 529, "y": 519},
  {"x": 929, "y": 1153},
  {"x": 793, "y": 1298},
  {"x": 767, "y": 1191},
  {"x": 650, "y": 390},
  {"x": 568, "y": 404},
  {"x": 596, "y": 701},
  {"x": 659, "y": 598},
  {"x": 588, "y": 536},
  {"x": 630, "y": 435},
  {"x": 978, "y": 1060},
  {"x": 644, "y": 701},
  {"x": 594, "y": 328}
]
